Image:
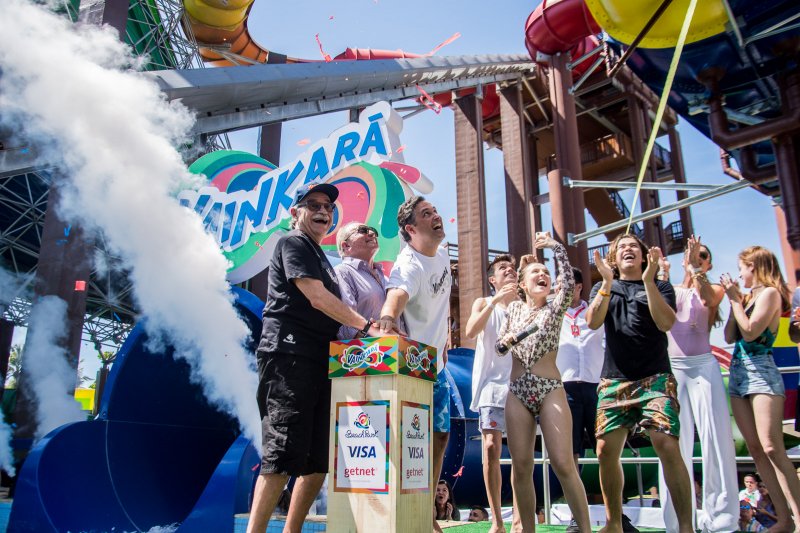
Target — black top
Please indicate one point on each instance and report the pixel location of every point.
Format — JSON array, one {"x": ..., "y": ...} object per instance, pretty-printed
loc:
[
  {"x": 635, "y": 347},
  {"x": 291, "y": 324}
]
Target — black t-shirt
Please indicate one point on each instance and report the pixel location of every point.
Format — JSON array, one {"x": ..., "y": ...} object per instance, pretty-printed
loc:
[
  {"x": 290, "y": 323},
  {"x": 635, "y": 347}
]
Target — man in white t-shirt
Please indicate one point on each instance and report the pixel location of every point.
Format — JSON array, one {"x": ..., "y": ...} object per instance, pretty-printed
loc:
[
  {"x": 490, "y": 375},
  {"x": 419, "y": 289}
]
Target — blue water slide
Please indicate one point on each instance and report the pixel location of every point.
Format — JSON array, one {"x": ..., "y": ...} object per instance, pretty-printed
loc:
[{"x": 158, "y": 453}]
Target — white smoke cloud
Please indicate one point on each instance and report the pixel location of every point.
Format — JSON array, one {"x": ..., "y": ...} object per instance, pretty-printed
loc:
[
  {"x": 50, "y": 376},
  {"x": 115, "y": 136}
]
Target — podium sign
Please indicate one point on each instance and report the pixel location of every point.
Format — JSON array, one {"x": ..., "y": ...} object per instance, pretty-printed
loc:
[{"x": 381, "y": 398}]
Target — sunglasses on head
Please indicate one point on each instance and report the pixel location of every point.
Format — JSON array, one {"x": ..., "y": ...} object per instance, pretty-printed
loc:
[
  {"x": 318, "y": 206},
  {"x": 703, "y": 255}
]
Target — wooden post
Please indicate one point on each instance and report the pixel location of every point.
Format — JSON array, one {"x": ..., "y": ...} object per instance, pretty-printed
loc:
[
  {"x": 473, "y": 246},
  {"x": 380, "y": 453}
]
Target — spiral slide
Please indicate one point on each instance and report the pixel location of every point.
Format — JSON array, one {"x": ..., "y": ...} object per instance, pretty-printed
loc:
[{"x": 158, "y": 454}]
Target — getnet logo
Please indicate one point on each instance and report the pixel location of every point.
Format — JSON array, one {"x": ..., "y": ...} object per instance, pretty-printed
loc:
[{"x": 362, "y": 421}]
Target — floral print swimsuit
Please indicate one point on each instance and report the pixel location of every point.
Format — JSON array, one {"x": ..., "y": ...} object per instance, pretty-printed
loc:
[{"x": 530, "y": 388}]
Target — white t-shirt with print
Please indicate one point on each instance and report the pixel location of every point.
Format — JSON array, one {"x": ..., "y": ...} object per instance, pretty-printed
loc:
[{"x": 427, "y": 282}]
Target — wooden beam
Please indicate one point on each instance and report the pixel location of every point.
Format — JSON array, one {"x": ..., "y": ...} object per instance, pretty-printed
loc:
[{"x": 471, "y": 207}]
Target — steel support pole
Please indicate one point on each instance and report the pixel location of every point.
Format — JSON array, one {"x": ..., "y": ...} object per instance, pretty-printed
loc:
[
  {"x": 679, "y": 173},
  {"x": 471, "y": 207}
]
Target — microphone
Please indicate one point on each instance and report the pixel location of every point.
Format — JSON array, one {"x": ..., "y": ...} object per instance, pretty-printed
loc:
[{"x": 502, "y": 348}]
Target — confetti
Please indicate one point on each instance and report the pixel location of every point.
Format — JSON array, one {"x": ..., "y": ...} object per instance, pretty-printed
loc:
[
  {"x": 61, "y": 242},
  {"x": 255, "y": 467},
  {"x": 325, "y": 56},
  {"x": 400, "y": 150},
  {"x": 460, "y": 472},
  {"x": 303, "y": 142},
  {"x": 429, "y": 102},
  {"x": 66, "y": 231},
  {"x": 452, "y": 220},
  {"x": 80, "y": 285},
  {"x": 330, "y": 18},
  {"x": 258, "y": 244},
  {"x": 449, "y": 40}
]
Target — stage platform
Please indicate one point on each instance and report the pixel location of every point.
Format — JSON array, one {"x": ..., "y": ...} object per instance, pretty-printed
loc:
[{"x": 315, "y": 524}]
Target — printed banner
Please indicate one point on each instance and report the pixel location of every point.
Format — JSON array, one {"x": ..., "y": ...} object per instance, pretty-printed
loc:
[
  {"x": 362, "y": 447},
  {"x": 415, "y": 444}
]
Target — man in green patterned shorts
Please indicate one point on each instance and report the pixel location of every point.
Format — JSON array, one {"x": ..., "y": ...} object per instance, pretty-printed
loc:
[{"x": 637, "y": 392}]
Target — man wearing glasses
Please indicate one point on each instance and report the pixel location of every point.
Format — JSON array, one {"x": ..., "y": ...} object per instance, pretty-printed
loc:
[
  {"x": 361, "y": 281},
  {"x": 302, "y": 315},
  {"x": 419, "y": 289}
]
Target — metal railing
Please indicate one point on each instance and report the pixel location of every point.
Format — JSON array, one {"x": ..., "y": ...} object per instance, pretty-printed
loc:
[{"x": 637, "y": 460}]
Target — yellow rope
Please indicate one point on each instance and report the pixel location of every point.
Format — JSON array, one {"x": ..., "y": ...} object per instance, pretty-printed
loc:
[{"x": 662, "y": 106}]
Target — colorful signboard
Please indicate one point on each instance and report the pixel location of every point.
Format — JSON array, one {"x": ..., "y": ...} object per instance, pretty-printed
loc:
[
  {"x": 361, "y": 462},
  {"x": 374, "y": 356},
  {"x": 415, "y": 440},
  {"x": 245, "y": 204}
]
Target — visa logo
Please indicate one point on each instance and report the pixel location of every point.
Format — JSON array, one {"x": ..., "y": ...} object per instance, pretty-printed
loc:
[
  {"x": 362, "y": 452},
  {"x": 416, "y": 453}
]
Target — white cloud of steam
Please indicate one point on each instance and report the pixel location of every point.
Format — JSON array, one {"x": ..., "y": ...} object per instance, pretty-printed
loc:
[
  {"x": 115, "y": 136},
  {"x": 50, "y": 376}
]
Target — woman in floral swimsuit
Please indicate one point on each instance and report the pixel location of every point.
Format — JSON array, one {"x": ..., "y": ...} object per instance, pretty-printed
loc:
[{"x": 536, "y": 387}]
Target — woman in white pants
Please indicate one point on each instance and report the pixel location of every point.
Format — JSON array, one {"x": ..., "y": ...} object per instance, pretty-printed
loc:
[{"x": 702, "y": 396}]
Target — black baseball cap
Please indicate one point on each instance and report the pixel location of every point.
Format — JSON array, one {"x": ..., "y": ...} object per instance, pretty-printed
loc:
[{"x": 325, "y": 188}]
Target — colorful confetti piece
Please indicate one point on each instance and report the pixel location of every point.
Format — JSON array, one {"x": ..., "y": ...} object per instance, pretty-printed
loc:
[
  {"x": 325, "y": 56},
  {"x": 400, "y": 150},
  {"x": 303, "y": 142},
  {"x": 460, "y": 472},
  {"x": 429, "y": 102},
  {"x": 449, "y": 40},
  {"x": 80, "y": 285},
  {"x": 452, "y": 220}
]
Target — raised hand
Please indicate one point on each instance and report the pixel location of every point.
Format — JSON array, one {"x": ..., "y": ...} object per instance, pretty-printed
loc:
[
  {"x": 693, "y": 251},
  {"x": 731, "y": 287},
  {"x": 602, "y": 266},
  {"x": 544, "y": 240},
  {"x": 525, "y": 260},
  {"x": 654, "y": 256},
  {"x": 504, "y": 293}
]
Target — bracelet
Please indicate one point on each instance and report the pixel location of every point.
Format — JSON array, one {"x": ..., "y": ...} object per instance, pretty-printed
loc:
[
  {"x": 363, "y": 332},
  {"x": 696, "y": 270},
  {"x": 603, "y": 293}
]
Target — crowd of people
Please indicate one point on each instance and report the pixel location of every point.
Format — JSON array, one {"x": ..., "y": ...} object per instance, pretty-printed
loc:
[{"x": 635, "y": 358}]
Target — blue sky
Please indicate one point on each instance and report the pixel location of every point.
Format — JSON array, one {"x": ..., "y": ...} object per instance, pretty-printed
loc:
[{"x": 727, "y": 224}]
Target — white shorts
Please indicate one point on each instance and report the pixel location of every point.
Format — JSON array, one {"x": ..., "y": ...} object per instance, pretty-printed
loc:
[{"x": 493, "y": 418}]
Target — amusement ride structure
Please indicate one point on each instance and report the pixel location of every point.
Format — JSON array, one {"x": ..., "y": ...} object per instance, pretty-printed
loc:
[{"x": 572, "y": 120}]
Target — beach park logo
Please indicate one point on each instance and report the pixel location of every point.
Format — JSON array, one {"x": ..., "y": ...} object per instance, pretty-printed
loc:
[
  {"x": 417, "y": 360},
  {"x": 415, "y": 422},
  {"x": 357, "y": 357},
  {"x": 245, "y": 205},
  {"x": 362, "y": 421}
]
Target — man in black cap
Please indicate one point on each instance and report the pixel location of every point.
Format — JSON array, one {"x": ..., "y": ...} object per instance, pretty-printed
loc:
[{"x": 302, "y": 315}]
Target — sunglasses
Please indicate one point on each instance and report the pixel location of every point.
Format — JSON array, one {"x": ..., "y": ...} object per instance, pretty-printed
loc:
[
  {"x": 745, "y": 507},
  {"x": 363, "y": 230},
  {"x": 318, "y": 206},
  {"x": 703, "y": 255}
]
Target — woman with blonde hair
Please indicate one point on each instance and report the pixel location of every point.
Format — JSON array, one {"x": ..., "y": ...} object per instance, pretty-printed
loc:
[
  {"x": 755, "y": 384},
  {"x": 531, "y": 331}
]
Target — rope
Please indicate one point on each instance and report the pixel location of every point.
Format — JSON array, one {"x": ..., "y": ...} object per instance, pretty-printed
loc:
[{"x": 662, "y": 106}]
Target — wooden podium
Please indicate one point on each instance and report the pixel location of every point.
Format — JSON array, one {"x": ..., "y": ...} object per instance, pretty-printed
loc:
[{"x": 381, "y": 415}]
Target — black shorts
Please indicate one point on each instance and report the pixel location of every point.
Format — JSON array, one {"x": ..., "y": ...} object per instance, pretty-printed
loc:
[
  {"x": 294, "y": 399},
  {"x": 582, "y": 399}
]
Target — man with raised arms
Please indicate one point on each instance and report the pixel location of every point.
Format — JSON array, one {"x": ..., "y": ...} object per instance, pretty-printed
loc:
[{"x": 637, "y": 391}]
